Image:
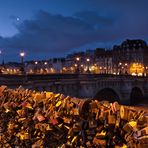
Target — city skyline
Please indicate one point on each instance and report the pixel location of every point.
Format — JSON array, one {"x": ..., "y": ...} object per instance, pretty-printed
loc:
[{"x": 45, "y": 29}]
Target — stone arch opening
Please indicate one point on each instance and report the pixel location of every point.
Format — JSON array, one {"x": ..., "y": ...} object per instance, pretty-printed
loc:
[
  {"x": 136, "y": 96},
  {"x": 107, "y": 94}
]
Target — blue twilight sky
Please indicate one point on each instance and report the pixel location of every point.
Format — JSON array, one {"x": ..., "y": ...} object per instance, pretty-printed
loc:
[{"x": 54, "y": 28}]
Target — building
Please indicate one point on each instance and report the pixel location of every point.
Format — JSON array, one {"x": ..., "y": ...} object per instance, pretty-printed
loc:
[
  {"x": 130, "y": 57},
  {"x": 103, "y": 60}
]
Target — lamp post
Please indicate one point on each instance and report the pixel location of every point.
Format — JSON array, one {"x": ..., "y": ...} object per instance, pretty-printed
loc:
[
  {"x": 35, "y": 69},
  {"x": 22, "y": 54},
  {"x": 126, "y": 68},
  {"x": 120, "y": 66},
  {"x": 78, "y": 62},
  {"x": 88, "y": 61}
]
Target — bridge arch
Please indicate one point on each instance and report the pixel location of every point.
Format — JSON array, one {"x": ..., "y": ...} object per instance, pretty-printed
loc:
[
  {"x": 136, "y": 96},
  {"x": 108, "y": 94}
]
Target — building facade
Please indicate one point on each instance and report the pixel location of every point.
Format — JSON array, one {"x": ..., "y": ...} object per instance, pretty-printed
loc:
[{"x": 131, "y": 57}]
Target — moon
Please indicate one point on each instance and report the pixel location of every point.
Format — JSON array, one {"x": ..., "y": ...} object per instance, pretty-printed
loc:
[{"x": 17, "y": 18}]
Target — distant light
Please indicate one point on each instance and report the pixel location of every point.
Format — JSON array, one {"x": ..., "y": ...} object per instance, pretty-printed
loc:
[
  {"x": 78, "y": 59},
  {"x": 45, "y": 63},
  {"x": 134, "y": 74},
  {"x": 22, "y": 54},
  {"x": 75, "y": 65},
  {"x": 87, "y": 59},
  {"x": 140, "y": 74},
  {"x": 36, "y": 62}
]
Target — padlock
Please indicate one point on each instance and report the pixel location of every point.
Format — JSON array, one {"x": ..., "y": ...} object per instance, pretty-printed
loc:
[
  {"x": 115, "y": 107},
  {"x": 131, "y": 115},
  {"x": 99, "y": 142},
  {"x": 142, "y": 132},
  {"x": 121, "y": 146},
  {"x": 142, "y": 121},
  {"x": 76, "y": 127},
  {"x": 128, "y": 136},
  {"x": 101, "y": 135},
  {"x": 111, "y": 118},
  {"x": 142, "y": 142},
  {"x": 127, "y": 128},
  {"x": 93, "y": 105},
  {"x": 106, "y": 104},
  {"x": 124, "y": 112}
]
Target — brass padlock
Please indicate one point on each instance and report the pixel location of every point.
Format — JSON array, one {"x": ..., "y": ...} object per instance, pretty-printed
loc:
[
  {"x": 124, "y": 113},
  {"x": 128, "y": 136},
  {"x": 130, "y": 126},
  {"x": 101, "y": 135},
  {"x": 99, "y": 142},
  {"x": 111, "y": 118},
  {"x": 142, "y": 142},
  {"x": 142, "y": 132}
]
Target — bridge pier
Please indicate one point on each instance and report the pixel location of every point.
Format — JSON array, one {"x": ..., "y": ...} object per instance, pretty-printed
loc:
[{"x": 125, "y": 91}]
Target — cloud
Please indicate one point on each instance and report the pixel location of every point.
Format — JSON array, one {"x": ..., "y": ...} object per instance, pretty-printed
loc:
[
  {"x": 47, "y": 35},
  {"x": 94, "y": 18},
  {"x": 55, "y": 34}
]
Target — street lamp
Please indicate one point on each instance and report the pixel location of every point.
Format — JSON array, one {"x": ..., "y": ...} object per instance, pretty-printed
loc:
[
  {"x": 35, "y": 68},
  {"x": 126, "y": 68},
  {"x": 22, "y": 54},
  {"x": 77, "y": 59},
  {"x": 45, "y": 63},
  {"x": 77, "y": 63},
  {"x": 88, "y": 60},
  {"x": 120, "y": 66}
]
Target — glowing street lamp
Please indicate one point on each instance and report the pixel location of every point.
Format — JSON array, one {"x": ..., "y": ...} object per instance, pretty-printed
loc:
[
  {"x": 88, "y": 60},
  {"x": 120, "y": 63},
  {"x": 77, "y": 59},
  {"x": 36, "y": 62},
  {"x": 45, "y": 63},
  {"x": 76, "y": 65}
]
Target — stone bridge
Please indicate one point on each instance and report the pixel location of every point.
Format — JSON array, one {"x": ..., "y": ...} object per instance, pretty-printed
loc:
[{"x": 122, "y": 88}]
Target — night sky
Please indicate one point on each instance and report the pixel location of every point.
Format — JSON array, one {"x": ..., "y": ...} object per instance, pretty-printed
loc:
[{"x": 54, "y": 28}]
